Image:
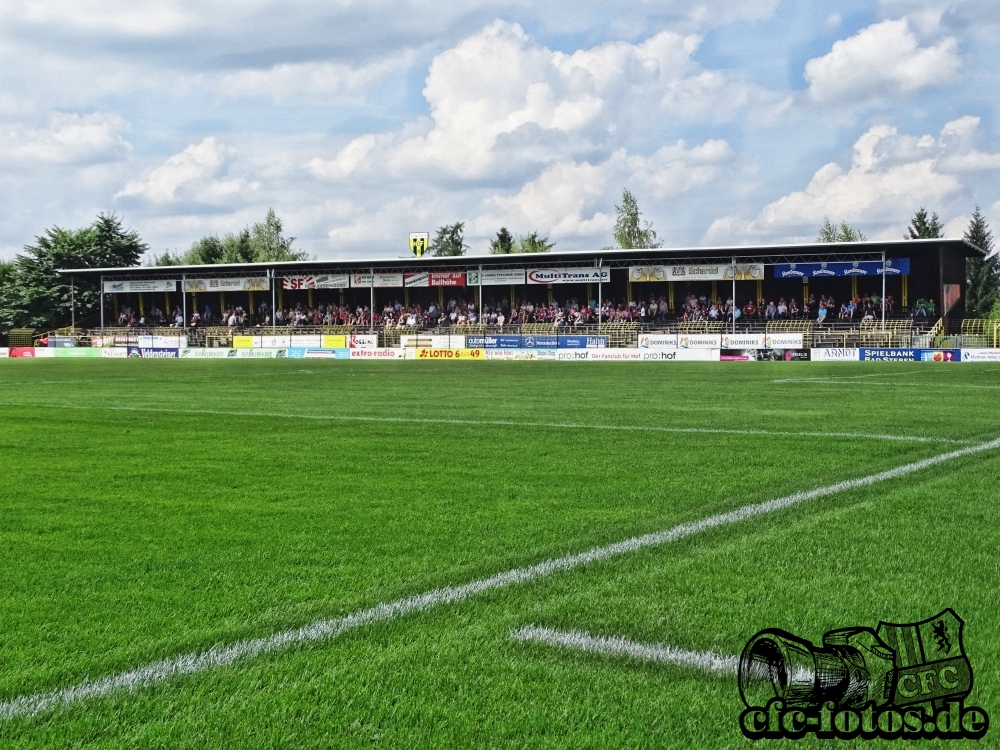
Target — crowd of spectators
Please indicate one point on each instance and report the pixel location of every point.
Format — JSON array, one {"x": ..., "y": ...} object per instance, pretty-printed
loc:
[{"x": 571, "y": 313}]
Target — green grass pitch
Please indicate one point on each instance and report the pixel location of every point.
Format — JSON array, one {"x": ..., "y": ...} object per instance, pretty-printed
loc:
[{"x": 153, "y": 508}]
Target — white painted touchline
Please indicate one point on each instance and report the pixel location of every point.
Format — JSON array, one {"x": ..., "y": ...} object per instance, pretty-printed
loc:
[
  {"x": 223, "y": 654},
  {"x": 508, "y": 423},
  {"x": 706, "y": 661}
]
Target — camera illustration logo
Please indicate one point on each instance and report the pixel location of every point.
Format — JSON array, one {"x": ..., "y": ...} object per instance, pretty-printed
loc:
[{"x": 899, "y": 681}]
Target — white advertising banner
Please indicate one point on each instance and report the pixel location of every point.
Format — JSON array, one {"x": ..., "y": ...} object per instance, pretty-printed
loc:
[
  {"x": 980, "y": 355},
  {"x": 127, "y": 287},
  {"x": 206, "y": 353},
  {"x": 699, "y": 341},
  {"x": 447, "y": 342},
  {"x": 520, "y": 354},
  {"x": 114, "y": 352},
  {"x": 743, "y": 341},
  {"x": 832, "y": 354},
  {"x": 417, "y": 279},
  {"x": 657, "y": 341},
  {"x": 381, "y": 280},
  {"x": 583, "y": 275},
  {"x": 306, "y": 342},
  {"x": 363, "y": 341},
  {"x": 317, "y": 281},
  {"x": 162, "y": 342},
  {"x": 4, "y": 351},
  {"x": 698, "y": 272},
  {"x": 680, "y": 355},
  {"x": 244, "y": 284},
  {"x": 494, "y": 278},
  {"x": 272, "y": 342},
  {"x": 378, "y": 353},
  {"x": 783, "y": 340},
  {"x": 269, "y": 353}
]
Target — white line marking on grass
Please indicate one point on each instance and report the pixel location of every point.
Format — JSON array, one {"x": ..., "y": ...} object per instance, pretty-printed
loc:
[
  {"x": 223, "y": 654},
  {"x": 507, "y": 423},
  {"x": 706, "y": 661}
]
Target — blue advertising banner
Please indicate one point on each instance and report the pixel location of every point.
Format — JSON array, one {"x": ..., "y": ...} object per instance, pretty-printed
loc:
[
  {"x": 142, "y": 352},
  {"x": 493, "y": 342},
  {"x": 911, "y": 355},
  {"x": 893, "y": 267},
  {"x": 540, "y": 342},
  {"x": 583, "y": 342}
]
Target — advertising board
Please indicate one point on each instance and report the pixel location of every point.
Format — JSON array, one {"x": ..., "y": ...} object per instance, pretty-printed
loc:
[
  {"x": 239, "y": 284},
  {"x": 381, "y": 280},
  {"x": 325, "y": 353},
  {"x": 911, "y": 355},
  {"x": 582, "y": 275},
  {"x": 306, "y": 342},
  {"x": 362, "y": 341},
  {"x": 980, "y": 355},
  {"x": 540, "y": 342},
  {"x": 316, "y": 281},
  {"x": 450, "y": 354},
  {"x": 657, "y": 341},
  {"x": 333, "y": 342},
  {"x": 680, "y": 355},
  {"x": 582, "y": 342},
  {"x": 893, "y": 267},
  {"x": 698, "y": 272},
  {"x": 494, "y": 342},
  {"x": 4, "y": 351},
  {"x": 494, "y": 278},
  {"x": 162, "y": 342},
  {"x": 24, "y": 352},
  {"x": 260, "y": 353},
  {"x": 599, "y": 355},
  {"x": 114, "y": 352},
  {"x": 834, "y": 354},
  {"x": 743, "y": 341},
  {"x": 145, "y": 352},
  {"x": 397, "y": 353},
  {"x": 783, "y": 340},
  {"x": 699, "y": 341},
  {"x": 77, "y": 351},
  {"x": 520, "y": 354},
  {"x": 128, "y": 287},
  {"x": 201, "y": 352},
  {"x": 243, "y": 342},
  {"x": 434, "y": 278},
  {"x": 272, "y": 342}
]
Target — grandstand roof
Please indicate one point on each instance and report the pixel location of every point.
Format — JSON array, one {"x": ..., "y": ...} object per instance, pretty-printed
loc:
[{"x": 778, "y": 253}]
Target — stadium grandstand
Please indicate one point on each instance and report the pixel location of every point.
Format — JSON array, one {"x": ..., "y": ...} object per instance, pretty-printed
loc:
[{"x": 865, "y": 293}]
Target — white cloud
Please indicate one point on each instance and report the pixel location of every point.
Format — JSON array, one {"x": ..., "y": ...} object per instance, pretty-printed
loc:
[
  {"x": 882, "y": 60},
  {"x": 890, "y": 176},
  {"x": 71, "y": 139},
  {"x": 502, "y": 103},
  {"x": 193, "y": 175}
]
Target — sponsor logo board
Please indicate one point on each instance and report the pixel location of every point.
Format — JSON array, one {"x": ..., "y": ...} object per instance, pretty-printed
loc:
[
  {"x": 77, "y": 352},
  {"x": 379, "y": 280},
  {"x": 583, "y": 275},
  {"x": 698, "y": 272},
  {"x": 520, "y": 354},
  {"x": 145, "y": 352},
  {"x": 127, "y": 287},
  {"x": 450, "y": 354},
  {"x": 911, "y": 355},
  {"x": 396, "y": 353},
  {"x": 21, "y": 351},
  {"x": 325, "y": 353},
  {"x": 4, "y": 351},
  {"x": 238, "y": 284},
  {"x": 362, "y": 341},
  {"x": 307, "y": 342},
  {"x": 783, "y": 340},
  {"x": 207, "y": 353},
  {"x": 243, "y": 342},
  {"x": 980, "y": 355},
  {"x": 893, "y": 267},
  {"x": 833, "y": 354},
  {"x": 494, "y": 278},
  {"x": 260, "y": 353},
  {"x": 699, "y": 341},
  {"x": 316, "y": 281},
  {"x": 114, "y": 352},
  {"x": 743, "y": 341},
  {"x": 333, "y": 342},
  {"x": 540, "y": 342},
  {"x": 657, "y": 341},
  {"x": 582, "y": 342},
  {"x": 493, "y": 342}
]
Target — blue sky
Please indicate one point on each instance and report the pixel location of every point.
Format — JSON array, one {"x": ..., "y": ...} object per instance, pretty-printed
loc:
[{"x": 732, "y": 122}]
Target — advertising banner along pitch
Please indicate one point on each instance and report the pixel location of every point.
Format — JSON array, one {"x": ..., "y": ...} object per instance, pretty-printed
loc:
[
  {"x": 381, "y": 280},
  {"x": 318, "y": 281}
]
